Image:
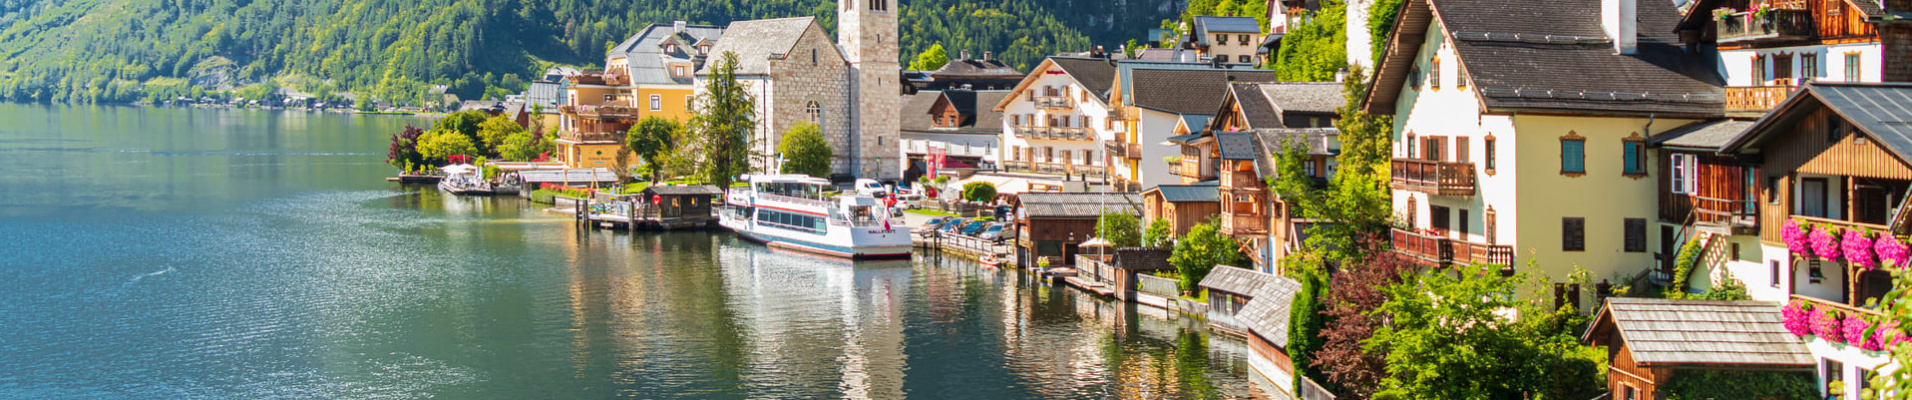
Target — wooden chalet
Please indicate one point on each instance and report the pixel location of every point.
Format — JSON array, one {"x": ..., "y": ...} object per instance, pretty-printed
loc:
[
  {"x": 677, "y": 207},
  {"x": 1184, "y": 206},
  {"x": 1650, "y": 342},
  {"x": 1794, "y": 42},
  {"x": 1704, "y": 195}
]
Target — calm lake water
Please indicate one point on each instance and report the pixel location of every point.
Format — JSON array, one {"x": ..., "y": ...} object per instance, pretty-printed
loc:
[{"x": 212, "y": 254}]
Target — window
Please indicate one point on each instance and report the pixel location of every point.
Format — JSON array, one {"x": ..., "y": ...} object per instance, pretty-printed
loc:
[
  {"x": 1573, "y": 234},
  {"x": 815, "y": 112},
  {"x": 1835, "y": 128},
  {"x": 1018, "y": 120},
  {"x": 813, "y": 57},
  {"x": 1832, "y": 371},
  {"x": 1490, "y": 153},
  {"x": 1635, "y": 235},
  {"x": 1852, "y": 67},
  {"x": 1410, "y": 145},
  {"x": 1460, "y": 77},
  {"x": 657, "y": 102},
  {"x": 1630, "y": 393},
  {"x": 1461, "y": 222},
  {"x": 1245, "y": 60},
  {"x": 1487, "y": 225},
  {"x": 1573, "y": 155},
  {"x": 1773, "y": 271},
  {"x": 677, "y": 71},
  {"x": 1309, "y": 168},
  {"x": 1439, "y": 218},
  {"x": 1243, "y": 38},
  {"x": 1414, "y": 77},
  {"x": 1434, "y": 74},
  {"x": 688, "y": 101},
  {"x": 610, "y": 98},
  {"x": 1772, "y": 191},
  {"x": 705, "y": 49},
  {"x": 1681, "y": 177},
  {"x": 1635, "y": 154},
  {"x": 1782, "y": 69},
  {"x": 1759, "y": 70},
  {"x": 670, "y": 48},
  {"x": 880, "y": 5},
  {"x": 1221, "y": 39},
  {"x": 1808, "y": 67}
]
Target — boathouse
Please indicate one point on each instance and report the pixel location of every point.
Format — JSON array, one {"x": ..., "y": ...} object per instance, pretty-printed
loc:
[
  {"x": 675, "y": 207},
  {"x": 1652, "y": 342},
  {"x": 1052, "y": 224}
]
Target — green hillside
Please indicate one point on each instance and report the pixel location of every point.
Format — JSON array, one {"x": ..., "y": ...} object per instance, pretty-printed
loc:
[{"x": 127, "y": 50}]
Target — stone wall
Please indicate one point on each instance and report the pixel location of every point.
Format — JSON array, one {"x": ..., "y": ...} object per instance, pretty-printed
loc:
[{"x": 800, "y": 79}]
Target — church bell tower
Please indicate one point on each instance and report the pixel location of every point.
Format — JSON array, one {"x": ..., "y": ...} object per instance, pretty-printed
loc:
[{"x": 866, "y": 29}]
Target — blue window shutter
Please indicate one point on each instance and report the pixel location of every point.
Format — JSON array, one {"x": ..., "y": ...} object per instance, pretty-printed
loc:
[
  {"x": 1633, "y": 158},
  {"x": 1573, "y": 156}
]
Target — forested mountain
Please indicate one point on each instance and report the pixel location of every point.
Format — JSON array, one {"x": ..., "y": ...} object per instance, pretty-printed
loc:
[{"x": 126, "y": 50}]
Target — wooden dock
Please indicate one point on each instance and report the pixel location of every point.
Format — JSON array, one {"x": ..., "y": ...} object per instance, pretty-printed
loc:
[{"x": 627, "y": 216}]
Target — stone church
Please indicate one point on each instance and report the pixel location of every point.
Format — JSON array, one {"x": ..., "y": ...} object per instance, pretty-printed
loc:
[{"x": 851, "y": 87}]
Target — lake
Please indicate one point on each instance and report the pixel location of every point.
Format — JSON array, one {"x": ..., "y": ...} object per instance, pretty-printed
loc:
[{"x": 212, "y": 254}]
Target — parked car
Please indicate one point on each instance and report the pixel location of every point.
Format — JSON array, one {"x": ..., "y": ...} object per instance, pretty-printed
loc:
[
  {"x": 975, "y": 227},
  {"x": 996, "y": 232},
  {"x": 869, "y": 187},
  {"x": 954, "y": 225}
]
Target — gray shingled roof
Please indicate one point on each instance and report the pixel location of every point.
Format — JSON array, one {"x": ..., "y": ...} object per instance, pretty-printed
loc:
[
  {"x": 690, "y": 190},
  {"x": 1206, "y": 27},
  {"x": 1254, "y": 105},
  {"x": 1186, "y": 90},
  {"x": 1235, "y": 280},
  {"x": 1312, "y": 97},
  {"x": 755, "y": 41},
  {"x": 1709, "y": 135},
  {"x": 1882, "y": 110},
  {"x": 1665, "y": 332},
  {"x": 644, "y": 55},
  {"x": 1196, "y": 193},
  {"x": 1267, "y": 314},
  {"x": 983, "y": 118},
  {"x": 1268, "y": 142},
  {"x": 1078, "y": 205},
  {"x": 1235, "y": 145},
  {"x": 1095, "y": 74},
  {"x": 977, "y": 68}
]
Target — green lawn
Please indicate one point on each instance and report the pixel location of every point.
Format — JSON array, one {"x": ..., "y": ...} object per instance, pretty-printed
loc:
[{"x": 931, "y": 213}]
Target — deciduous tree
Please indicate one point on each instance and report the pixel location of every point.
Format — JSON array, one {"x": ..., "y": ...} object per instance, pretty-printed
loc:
[
  {"x": 1120, "y": 229},
  {"x": 804, "y": 151},
  {"x": 652, "y": 140},
  {"x": 437, "y": 145},
  {"x": 1200, "y": 251},
  {"x": 726, "y": 116},
  {"x": 931, "y": 59}
]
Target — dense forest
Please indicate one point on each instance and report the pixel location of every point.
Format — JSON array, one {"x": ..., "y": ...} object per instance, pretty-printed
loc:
[{"x": 130, "y": 50}]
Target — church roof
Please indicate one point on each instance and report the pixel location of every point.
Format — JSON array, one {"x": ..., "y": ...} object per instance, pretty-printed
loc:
[{"x": 756, "y": 42}]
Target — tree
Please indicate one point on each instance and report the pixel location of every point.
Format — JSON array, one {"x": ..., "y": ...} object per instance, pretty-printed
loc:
[
  {"x": 1381, "y": 24},
  {"x": 652, "y": 140},
  {"x": 1257, "y": 9},
  {"x": 804, "y": 151},
  {"x": 526, "y": 146},
  {"x": 1120, "y": 229},
  {"x": 493, "y": 132},
  {"x": 1897, "y": 307},
  {"x": 1342, "y": 359},
  {"x": 1161, "y": 234},
  {"x": 979, "y": 191},
  {"x": 720, "y": 131},
  {"x": 1316, "y": 49},
  {"x": 1200, "y": 251},
  {"x": 437, "y": 145},
  {"x": 931, "y": 59},
  {"x": 1445, "y": 338},
  {"x": 403, "y": 152},
  {"x": 1356, "y": 198},
  {"x": 467, "y": 123}
]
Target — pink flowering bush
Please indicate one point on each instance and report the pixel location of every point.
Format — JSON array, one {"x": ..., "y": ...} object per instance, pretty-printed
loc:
[
  {"x": 1798, "y": 318},
  {"x": 1827, "y": 325},
  {"x": 1887, "y": 335},
  {"x": 1855, "y": 330},
  {"x": 1858, "y": 249},
  {"x": 1892, "y": 252},
  {"x": 1825, "y": 242},
  {"x": 1796, "y": 240}
]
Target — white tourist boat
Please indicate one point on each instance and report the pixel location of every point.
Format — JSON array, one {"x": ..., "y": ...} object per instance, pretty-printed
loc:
[
  {"x": 797, "y": 212},
  {"x": 464, "y": 180}
]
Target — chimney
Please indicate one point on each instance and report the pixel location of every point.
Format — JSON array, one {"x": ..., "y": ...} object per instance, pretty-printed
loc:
[
  {"x": 1097, "y": 53},
  {"x": 1341, "y": 75},
  {"x": 965, "y": 54},
  {"x": 679, "y": 26},
  {"x": 1621, "y": 21},
  {"x": 987, "y": 55}
]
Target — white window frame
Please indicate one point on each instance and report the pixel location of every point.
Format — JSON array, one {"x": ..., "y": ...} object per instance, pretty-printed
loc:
[
  {"x": 1682, "y": 174},
  {"x": 657, "y": 102}
]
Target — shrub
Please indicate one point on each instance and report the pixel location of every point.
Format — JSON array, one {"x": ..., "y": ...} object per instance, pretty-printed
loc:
[{"x": 980, "y": 192}]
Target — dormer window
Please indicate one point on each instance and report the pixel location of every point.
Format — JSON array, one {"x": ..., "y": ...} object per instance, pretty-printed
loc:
[
  {"x": 703, "y": 50},
  {"x": 670, "y": 48}
]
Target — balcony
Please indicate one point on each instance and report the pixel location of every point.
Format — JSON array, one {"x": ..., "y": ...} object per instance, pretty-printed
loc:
[
  {"x": 583, "y": 137},
  {"x": 1242, "y": 181},
  {"x": 1740, "y": 216},
  {"x": 1054, "y": 103},
  {"x": 1051, "y": 169},
  {"x": 1245, "y": 224},
  {"x": 1442, "y": 251},
  {"x": 1087, "y": 170},
  {"x": 1132, "y": 151},
  {"x": 1776, "y": 25},
  {"x": 1017, "y": 166},
  {"x": 1434, "y": 177},
  {"x": 1842, "y": 224},
  {"x": 1755, "y": 100},
  {"x": 599, "y": 111}
]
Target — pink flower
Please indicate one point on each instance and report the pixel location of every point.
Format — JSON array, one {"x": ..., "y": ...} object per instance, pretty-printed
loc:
[
  {"x": 1882, "y": 334},
  {"x": 1798, "y": 318},
  {"x": 1796, "y": 238},
  {"x": 1825, "y": 242},
  {"x": 1826, "y": 324},
  {"x": 1892, "y": 252},
  {"x": 1855, "y": 330},
  {"x": 1858, "y": 249}
]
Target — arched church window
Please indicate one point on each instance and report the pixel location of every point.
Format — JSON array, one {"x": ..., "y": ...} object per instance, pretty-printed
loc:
[{"x": 815, "y": 112}]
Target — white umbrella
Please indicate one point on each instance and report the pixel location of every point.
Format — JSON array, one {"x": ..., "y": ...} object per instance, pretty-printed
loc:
[
  {"x": 458, "y": 169},
  {"x": 1096, "y": 242}
]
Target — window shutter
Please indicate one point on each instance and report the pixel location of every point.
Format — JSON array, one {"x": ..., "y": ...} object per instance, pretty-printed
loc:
[
  {"x": 1573, "y": 234},
  {"x": 1635, "y": 235}
]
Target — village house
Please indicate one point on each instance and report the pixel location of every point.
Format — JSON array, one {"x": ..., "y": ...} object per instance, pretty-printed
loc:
[
  {"x": 950, "y": 129},
  {"x": 1766, "y": 55},
  {"x": 850, "y": 87},
  {"x": 1158, "y": 101},
  {"x": 1833, "y": 154},
  {"x": 1052, "y": 225},
  {"x": 1255, "y": 306},
  {"x": 1526, "y": 137},
  {"x": 1057, "y": 120},
  {"x": 1652, "y": 342},
  {"x": 1234, "y": 40}
]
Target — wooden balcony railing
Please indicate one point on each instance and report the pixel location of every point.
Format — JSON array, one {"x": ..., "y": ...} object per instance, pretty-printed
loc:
[
  {"x": 1051, "y": 169},
  {"x": 1443, "y": 251},
  {"x": 1755, "y": 99},
  {"x": 599, "y": 111},
  {"x": 1242, "y": 181},
  {"x": 1131, "y": 151},
  {"x": 1843, "y": 224},
  {"x": 1016, "y": 166},
  {"x": 1736, "y": 214},
  {"x": 1054, "y": 103},
  {"x": 589, "y": 136},
  {"x": 1434, "y": 177},
  {"x": 1847, "y": 309},
  {"x": 1775, "y": 25},
  {"x": 1087, "y": 170},
  {"x": 1245, "y": 224}
]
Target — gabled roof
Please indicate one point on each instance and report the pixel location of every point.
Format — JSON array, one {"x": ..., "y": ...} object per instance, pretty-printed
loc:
[
  {"x": 977, "y": 68},
  {"x": 1196, "y": 193},
  {"x": 1255, "y": 108},
  {"x": 1235, "y": 280},
  {"x": 1701, "y": 333},
  {"x": 1708, "y": 135},
  {"x": 1238, "y": 146},
  {"x": 1267, "y": 314},
  {"x": 1309, "y": 97},
  {"x": 1206, "y": 27},
  {"x": 757, "y": 41},
  {"x": 915, "y": 116},
  {"x": 643, "y": 56},
  {"x": 1094, "y": 74},
  {"x": 1554, "y": 57},
  {"x": 689, "y": 190},
  {"x": 1180, "y": 88},
  {"x": 1078, "y": 205},
  {"x": 1320, "y": 142},
  {"x": 1883, "y": 111}
]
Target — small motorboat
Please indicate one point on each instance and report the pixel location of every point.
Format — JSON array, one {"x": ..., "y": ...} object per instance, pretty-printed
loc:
[{"x": 990, "y": 260}]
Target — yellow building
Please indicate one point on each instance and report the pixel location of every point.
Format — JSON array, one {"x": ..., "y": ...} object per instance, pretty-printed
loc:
[
  {"x": 1498, "y": 160},
  {"x": 652, "y": 74}
]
